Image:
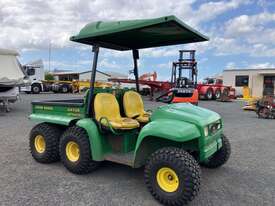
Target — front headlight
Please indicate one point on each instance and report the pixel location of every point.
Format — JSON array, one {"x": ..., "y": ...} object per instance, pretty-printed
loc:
[
  {"x": 219, "y": 125},
  {"x": 206, "y": 131}
]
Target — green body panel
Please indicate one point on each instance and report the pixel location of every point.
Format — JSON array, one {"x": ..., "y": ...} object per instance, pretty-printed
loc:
[
  {"x": 98, "y": 143},
  {"x": 186, "y": 112},
  {"x": 103, "y": 144},
  {"x": 137, "y": 34},
  {"x": 182, "y": 123},
  {"x": 209, "y": 145},
  {"x": 52, "y": 118},
  {"x": 68, "y": 111},
  {"x": 162, "y": 133},
  {"x": 56, "y": 114},
  {"x": 174, "y": 130}
]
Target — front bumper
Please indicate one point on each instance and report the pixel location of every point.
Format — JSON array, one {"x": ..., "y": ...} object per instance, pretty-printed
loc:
[
  {"x": 26, "y": 89},
  {"x": 209, "y": 145}
]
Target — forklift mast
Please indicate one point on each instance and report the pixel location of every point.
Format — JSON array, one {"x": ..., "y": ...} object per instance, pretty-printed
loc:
[{"x": 186, "y": 61}]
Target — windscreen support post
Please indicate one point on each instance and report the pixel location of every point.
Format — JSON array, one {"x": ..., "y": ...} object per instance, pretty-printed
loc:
[
  {"x": 136, "y": 57},
  {"x": 90, "y": 107}
]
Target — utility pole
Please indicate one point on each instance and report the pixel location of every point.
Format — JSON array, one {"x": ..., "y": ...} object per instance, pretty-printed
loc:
[{"x": 50, "y": 55}]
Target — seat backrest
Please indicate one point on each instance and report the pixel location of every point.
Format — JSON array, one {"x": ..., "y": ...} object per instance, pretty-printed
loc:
[
  {"x": 106, "y": 105},
  {"x": 133, "y": 104}
]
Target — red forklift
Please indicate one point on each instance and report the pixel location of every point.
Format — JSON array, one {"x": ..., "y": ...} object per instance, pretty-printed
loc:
[{"x": 183, "y": 80}]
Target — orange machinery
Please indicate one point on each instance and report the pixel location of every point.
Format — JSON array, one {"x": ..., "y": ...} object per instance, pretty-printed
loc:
[
  {"x": 180, "y": 88},
  {"x": 183, "y": 87}
]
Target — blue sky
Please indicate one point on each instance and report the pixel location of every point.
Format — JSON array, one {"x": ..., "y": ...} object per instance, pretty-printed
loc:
[{"x": 241, "y": 32}]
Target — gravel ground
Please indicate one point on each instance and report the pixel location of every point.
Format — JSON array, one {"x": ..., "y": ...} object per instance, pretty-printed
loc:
[{"x": 247, "y": 179}]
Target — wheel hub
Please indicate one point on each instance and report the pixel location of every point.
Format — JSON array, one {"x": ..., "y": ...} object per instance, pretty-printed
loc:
[
  {"x": 39, "y": 144},
  {"x": 167, "y": 179},
  {"x": 72, "y": 151}
]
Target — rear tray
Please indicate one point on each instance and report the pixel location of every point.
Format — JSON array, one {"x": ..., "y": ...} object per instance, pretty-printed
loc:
[{"x": 63, "y": 102}]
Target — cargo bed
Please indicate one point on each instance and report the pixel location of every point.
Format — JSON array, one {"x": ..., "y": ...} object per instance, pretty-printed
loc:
[
  {"x": 62, "y": 102},
  {"x": 58, "y": 111}
]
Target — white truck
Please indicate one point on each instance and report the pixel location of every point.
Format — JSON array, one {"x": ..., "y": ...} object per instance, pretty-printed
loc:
[{"x": 36, "y": 74}]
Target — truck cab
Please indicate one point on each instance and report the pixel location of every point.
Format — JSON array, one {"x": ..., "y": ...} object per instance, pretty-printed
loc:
[
  {"x": 213, "y": 81},
  {"x": 35, "y": 74}
]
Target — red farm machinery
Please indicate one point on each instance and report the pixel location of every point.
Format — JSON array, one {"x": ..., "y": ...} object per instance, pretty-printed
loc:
[{"x": 213, "y": 88}]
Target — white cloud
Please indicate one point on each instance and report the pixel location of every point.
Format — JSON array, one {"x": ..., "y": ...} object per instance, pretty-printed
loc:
[
  {"x": 77, "y": 65},
  {"x": 107, "y": 64},
  {"x": 29, "y": 24},
  {"x": 110, "y": 65},
  {"x": 159, "y": 52},
  {"x": 210, "y": 10},
  {"x": 245, "y": 24},
  {"x": 167, "y": 66},
  {"x": 107, "y": 53},
  {"x": 253, "y": 35},
  {"x": 262, "y": 65},
  {"x": 230, "y": 65},
  {"x": 32, "y": 25}
]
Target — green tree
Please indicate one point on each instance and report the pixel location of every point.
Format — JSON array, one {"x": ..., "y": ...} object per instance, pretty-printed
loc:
[{"x": 49, "y": 76}]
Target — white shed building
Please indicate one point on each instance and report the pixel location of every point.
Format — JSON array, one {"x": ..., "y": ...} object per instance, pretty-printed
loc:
[{"x": 260, "y": 81}]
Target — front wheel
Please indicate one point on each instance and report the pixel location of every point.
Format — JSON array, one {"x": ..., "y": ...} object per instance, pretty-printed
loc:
[
  {"x": 172, "y": 176},
  {"x": 221, "y": 156},
  {"x": 36, "y": 88},
  {"x": 75, "y": 152}
]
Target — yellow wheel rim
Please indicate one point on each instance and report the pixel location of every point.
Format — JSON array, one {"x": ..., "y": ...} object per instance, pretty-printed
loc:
[
  {"x": 39, "y": 144},
  {"x": 72, "y": 151},
  {"x": 167, "y": 179}
]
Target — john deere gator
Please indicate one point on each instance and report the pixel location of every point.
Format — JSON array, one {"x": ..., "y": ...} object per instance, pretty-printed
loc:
[{"x": 110, "y": 124}]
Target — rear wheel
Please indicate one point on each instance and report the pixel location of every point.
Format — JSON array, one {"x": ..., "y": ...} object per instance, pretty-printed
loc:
[
  {"x": 218, "y": 94},
  {"x": 166, "y": 97},
  {"x": 172, "y": 176},
  {"x": 221, "y": 156},
  {"x": 209, "y": 94},
  {"x": 64, "y": 89},
  {"x": 44, "y": 142},
  {"x": 263, "y": 112},
  {"x": 75, "y": 152}
]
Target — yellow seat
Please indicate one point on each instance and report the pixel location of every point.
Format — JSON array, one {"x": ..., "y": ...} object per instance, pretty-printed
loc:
[
  {"x": 134, "y": 108},
  {"x": 107, "y": 112}
]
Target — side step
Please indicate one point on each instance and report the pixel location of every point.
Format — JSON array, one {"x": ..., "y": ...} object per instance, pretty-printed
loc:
[{"x": 121, "y": 158}]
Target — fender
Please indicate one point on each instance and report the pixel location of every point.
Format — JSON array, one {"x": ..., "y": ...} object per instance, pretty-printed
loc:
[
  {"x": 38, "y": 82},
  {"x": 54, "y": 119},
  {"x": 214, "y": 89},
  {"x": 203, "y": 89},
  {"x": 98, "y": 143},
  {"x": 161, "y": 130}
]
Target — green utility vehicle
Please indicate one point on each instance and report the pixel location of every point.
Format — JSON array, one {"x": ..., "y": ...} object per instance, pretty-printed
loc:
[{"x": 111, "y": 124}]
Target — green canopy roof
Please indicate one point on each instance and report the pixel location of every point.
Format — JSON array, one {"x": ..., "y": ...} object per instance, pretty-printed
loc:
[{"x": 138, "y": 34}]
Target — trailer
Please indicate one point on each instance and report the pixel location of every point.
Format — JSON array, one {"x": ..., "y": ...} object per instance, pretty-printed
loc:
[
  {"x": 213, "y": 88},
  {"x": 155, "y": 86}
]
